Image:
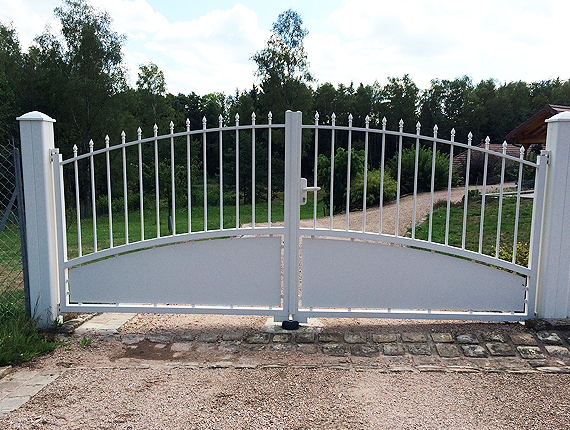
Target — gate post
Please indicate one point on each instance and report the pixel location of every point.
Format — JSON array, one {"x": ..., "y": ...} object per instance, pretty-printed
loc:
[
  {"x": 293, "y": 132},
  {"x": 553, "y": 300},
  {"x": 36, "y": 135}
]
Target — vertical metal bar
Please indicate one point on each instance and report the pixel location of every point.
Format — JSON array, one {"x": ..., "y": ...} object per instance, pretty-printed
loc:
[
  {"x": 205, "y": 174},
  {"x": 156, "y": 181},
  {"x": 517, "y": 213},
  {"x": 401, "y": 124},
  {"x": 467, "y": 173},
  {"x": 141, "y": 195},
  {"x": 432, "y": 187},
  {"x": 61, "y": 230},
  {"x": 499, "y": 216},
  {"x": 331, "y": 198},
  {"x": 450, "y": 175},
  {"x": 487, "y": 140},
  {"x": 416, "y": 162},
  {"x": 269, "y": 155},
  {"x": 293, "y": 124},
  {"x": 77, "y": 206},
  {"x": 253, "y": 170},
  {"x": 348, "y": 168},
  {"x": 221, "y": 163},
  {"x": 237, "y": 171},
  {"x": 125, "y": 197},
  {"x": 93, "y": 207},
  {"x": 364, "y": 190},
  {"x": 188, "y": 176},
  {"x": 109, "y": 192},
  {"x": 382, "y": 162},
  {"x": 173, "y": 185},
  {"x": 22, "y": 227}
]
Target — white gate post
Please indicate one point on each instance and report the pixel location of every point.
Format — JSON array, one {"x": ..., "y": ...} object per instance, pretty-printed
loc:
[
  {"x": 553, "y": 299},
  {"x": 36, "y": 134},
  {"x": 293, "y": 131}
]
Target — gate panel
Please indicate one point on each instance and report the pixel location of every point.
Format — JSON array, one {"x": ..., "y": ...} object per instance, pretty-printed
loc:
[
  {"x": 350, "y": 274},
  {"x": 241, "y": 271}
]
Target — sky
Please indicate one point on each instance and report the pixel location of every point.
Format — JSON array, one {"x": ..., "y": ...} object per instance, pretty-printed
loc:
[{"x": 205, "y": 47}]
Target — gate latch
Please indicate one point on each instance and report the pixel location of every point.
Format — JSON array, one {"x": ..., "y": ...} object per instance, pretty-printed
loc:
[{"x": 304, "y": 190}]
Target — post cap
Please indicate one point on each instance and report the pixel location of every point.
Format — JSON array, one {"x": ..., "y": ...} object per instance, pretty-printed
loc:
[
  {"x": 560, "y": 117},
  {"x": 35, "y": 116}
]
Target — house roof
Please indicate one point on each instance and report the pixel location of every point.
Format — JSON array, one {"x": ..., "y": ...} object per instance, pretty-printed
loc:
[
  {"x": 512, "y": 150},
  {"x": 533, "y": 130}
]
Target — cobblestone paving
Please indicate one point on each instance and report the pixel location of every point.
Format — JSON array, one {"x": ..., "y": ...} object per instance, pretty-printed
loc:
[{"x": 542, "y": 351}]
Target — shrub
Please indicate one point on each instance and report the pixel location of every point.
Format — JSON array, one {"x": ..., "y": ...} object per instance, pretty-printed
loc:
[
  {"x": 408, "y": 163},
  {"x": 372, "y": 188},
  {"x": 506, "y": 253}
]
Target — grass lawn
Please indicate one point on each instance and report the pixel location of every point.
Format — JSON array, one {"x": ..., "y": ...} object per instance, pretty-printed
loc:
[{"x": 473, "y": 224}]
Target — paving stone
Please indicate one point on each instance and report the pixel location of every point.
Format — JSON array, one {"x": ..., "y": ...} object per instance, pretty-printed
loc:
[
  {"x": 187, "y": 336},
  {"x": 258, "y": 338},
  {"x": 281, "y": 347},
  {"x": 512, "y": 363},
  {"x": 483, "y": 363},
  {"x": 400, "y": 369},
  {"x": 308, "y": 348},
  {"x": 159, "y": 338},
  {"x": 220, "y": 365},
  {"x": 476, "y": 351},
  {"x": 393, "y": 349},
  {"x": 355, "y": 337},
  {"x": 500, "y": 349},
  {"x": 530, "y": 352},
  {"x": 305, "y": 337},
  {"x": 233, "y": 336},
  {"x": 467, "y": 338},
  {"x": 331, "y": 337},
  {"x": 419, "y": 349},
  {"x": 364, "y": 350},
  {"x": 414, "y": 337},
  {"x": 447, "y": 350},
  {"x": 549, "y": 337},
  {"x": 159, "y": 346},
  {"x": 426, "y": 360},
  {"x": 206, "y": 347},
  {"x": 334, "y": 349},
  {"x": 431, "y": 368},
  {"x": 553, "y": 369},
  {"x": 523, "y": 339},
  {"x": 281, "y": 337},
  {"x": 442, "y": 337},
  {"x": 207, "y": 337},
  {"x": 231, "y": 347},
  {"x": 384, "y": 338},
  {"x": 256, "y": 347},
  {"x": 131, "y": 339},
  {"x": 557, "y": 351},
  {"x": 495, "y": 337}
]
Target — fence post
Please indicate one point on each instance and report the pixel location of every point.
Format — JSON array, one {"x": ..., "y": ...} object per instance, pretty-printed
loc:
[
  {"x": 36, "y": 134},
  {"x": 293, "y": 131},
  {"x": 553, "y": 289}
]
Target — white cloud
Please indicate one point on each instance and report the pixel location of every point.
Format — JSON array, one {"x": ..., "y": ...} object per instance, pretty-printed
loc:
[
  {"x": 132, "y": 16},
  {"x": 217, "y": 46},
  {"x": 29, "y": 18}
]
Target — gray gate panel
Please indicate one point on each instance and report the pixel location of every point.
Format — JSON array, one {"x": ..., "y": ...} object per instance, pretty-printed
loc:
[
  {"x": 349, "y": 274},
  {"x": 241, "y": 271}
]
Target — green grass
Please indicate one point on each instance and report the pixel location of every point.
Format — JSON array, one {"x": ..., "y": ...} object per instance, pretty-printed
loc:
[
  {"x": 19, "y": 339},
  {"x": 473, "y": 224},
  {"x": 150, "y": 224}
]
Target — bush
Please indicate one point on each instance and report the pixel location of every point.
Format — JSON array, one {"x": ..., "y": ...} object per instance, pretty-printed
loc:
[
  {"x": 372, "y": 188},
  {"x": 408, "y": 163},
  {"x": 506, "y": 253},
  {"x": 340, "y": 173}
]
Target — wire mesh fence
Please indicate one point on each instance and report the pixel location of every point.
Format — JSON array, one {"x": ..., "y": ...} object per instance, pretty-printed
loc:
[{"x": 12, "y": 295}]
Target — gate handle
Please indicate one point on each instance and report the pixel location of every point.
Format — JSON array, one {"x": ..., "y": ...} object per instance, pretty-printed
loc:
[{"x": 304, "y": 190}]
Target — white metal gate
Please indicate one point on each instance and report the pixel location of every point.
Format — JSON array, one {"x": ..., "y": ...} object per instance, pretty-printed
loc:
[{"x": 110, "y": 263}]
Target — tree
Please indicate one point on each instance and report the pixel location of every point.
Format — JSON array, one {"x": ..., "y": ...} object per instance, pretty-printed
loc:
[
  {"x": 152, "y": 86},
  {"x": 10, "y": 77},
  {"x": 399, "y": 100},
  {"x": 283, "y": 68}
]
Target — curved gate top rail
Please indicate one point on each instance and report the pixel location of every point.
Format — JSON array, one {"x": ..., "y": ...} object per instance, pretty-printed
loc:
[{"x": 233, "y": 181}]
